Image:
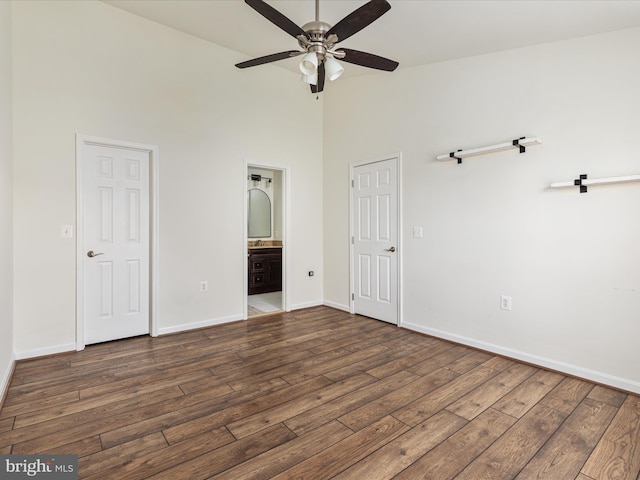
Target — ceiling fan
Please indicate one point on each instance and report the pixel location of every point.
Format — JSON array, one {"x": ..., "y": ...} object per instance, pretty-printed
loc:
[{"x": 317, "y": 40}]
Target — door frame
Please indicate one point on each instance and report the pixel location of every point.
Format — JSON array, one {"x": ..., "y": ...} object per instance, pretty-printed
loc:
[
  {"x": 352, "y": 265},
  {"x": 286, "y": 195},
  {"x": 154, "y": 160}
]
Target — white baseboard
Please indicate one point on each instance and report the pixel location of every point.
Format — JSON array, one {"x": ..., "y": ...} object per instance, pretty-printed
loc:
[
  {"x": 300, "y": 306},
  {"x": 338, "y": 306},
  {"x": 569, "y": 369},
  {"x": 41, "y": 352},
  {"x": 220, "y": 321},
  {"x": 201, "y": 324},
  {"x": 6, "y": 379}
]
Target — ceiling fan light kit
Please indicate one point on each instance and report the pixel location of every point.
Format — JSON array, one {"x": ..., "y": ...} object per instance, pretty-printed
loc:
[{"x": 317, "y": 40}]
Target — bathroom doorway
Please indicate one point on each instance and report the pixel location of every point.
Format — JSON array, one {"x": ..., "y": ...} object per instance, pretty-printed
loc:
[{"x": 265, "y": 239}]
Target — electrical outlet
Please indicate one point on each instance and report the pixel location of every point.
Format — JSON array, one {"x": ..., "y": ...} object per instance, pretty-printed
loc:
[
  {"x": 204, "y": 286},
  {"x": 417, "y": 232},
  {"x": 505, "y": 302}
]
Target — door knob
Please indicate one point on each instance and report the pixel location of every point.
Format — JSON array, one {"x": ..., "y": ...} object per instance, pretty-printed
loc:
[
  {"x": 92, "y": 254},
  {"x": 390, "y": 249}
]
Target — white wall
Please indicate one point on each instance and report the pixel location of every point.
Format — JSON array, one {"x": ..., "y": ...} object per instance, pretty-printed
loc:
[
  {"x": 491, "y": 226},
  {"x": 6, "y": 193},
  {"x": 89, "y": 68}
]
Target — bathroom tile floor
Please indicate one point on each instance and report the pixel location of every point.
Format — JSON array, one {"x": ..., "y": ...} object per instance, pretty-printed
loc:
[{"x": 265, "y": 303}]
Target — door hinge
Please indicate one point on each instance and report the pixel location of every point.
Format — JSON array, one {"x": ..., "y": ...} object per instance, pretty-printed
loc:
[
  {"x": 353, "y": 183},
  {"x": 353, "y": 296},
  {"x": 352, "y": 241}
]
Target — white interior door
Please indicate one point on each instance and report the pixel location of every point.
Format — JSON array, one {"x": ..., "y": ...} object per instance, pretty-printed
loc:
[
  {"x": 115, "y": 242},
  {"x": 375, "y": 240}
]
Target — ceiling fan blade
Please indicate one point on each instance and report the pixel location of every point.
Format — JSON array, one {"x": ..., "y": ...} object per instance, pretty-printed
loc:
[
  {"x": 275, "y": 17},
  {"x": 269, "y": 58},
  {"x": 369, "y": 60},
  {"x": 358, "y": 19},
  {"x": 320, "y": 86}
]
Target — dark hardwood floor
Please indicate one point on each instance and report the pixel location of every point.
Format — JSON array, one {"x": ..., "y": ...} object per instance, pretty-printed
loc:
[{"x": 316, "y": 394}]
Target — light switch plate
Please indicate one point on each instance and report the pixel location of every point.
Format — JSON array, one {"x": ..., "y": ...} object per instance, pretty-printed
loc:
[{"x": 505, "y": 302}]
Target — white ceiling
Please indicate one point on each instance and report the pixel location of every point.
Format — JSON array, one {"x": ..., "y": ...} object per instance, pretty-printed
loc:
[{"x": 413, "y": 32}]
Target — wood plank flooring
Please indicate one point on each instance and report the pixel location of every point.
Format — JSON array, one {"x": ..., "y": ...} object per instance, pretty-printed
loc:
[{"x": 315, "y": 394}]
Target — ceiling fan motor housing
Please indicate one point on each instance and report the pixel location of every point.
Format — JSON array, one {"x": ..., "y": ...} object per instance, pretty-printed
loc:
[{"x": 316, "y": 38}]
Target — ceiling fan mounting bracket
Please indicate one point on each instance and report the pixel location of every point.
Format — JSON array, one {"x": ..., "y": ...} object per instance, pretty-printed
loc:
[{"x": 316, "y": 30}]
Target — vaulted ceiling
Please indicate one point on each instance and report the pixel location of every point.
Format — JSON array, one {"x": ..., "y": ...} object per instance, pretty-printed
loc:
[{"x": 413, "y": 32}]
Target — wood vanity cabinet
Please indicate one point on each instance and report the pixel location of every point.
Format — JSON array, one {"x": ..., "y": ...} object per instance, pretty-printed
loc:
[{"x": 265, "y": 270}]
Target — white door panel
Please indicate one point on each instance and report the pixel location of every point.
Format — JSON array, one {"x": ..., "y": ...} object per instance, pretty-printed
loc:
[
  {"x": 115, "y": 183},
  {"x": 375, "y": 239}
]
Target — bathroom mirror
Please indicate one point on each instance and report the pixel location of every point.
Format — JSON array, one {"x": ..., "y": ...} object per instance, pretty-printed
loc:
[{"x": 259, "y": 214}]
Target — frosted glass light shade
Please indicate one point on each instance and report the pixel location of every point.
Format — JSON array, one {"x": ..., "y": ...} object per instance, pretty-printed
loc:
[
  {"x": 333, "y": 68},
  {"x": 310, "y": 79},
  {"x": 309, "y": 64}
]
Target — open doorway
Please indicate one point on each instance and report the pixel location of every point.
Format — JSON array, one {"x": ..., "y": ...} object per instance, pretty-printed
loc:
[{"x": 265, "y": 239}]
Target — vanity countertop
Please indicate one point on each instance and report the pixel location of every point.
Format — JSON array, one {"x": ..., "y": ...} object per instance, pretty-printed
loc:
[{"x": 256, "y": 247}]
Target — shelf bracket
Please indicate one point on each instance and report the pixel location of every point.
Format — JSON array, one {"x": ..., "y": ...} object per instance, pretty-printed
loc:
[
  {"x": 452, "y": 155},
  {"x": 516, "y": 143},
  {"x": 578, "y": 182}
]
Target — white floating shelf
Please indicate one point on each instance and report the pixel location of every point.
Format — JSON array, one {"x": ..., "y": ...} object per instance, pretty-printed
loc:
[
  {"x": 584, "y": 182},
  {"x": 520, "y": 143}
]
